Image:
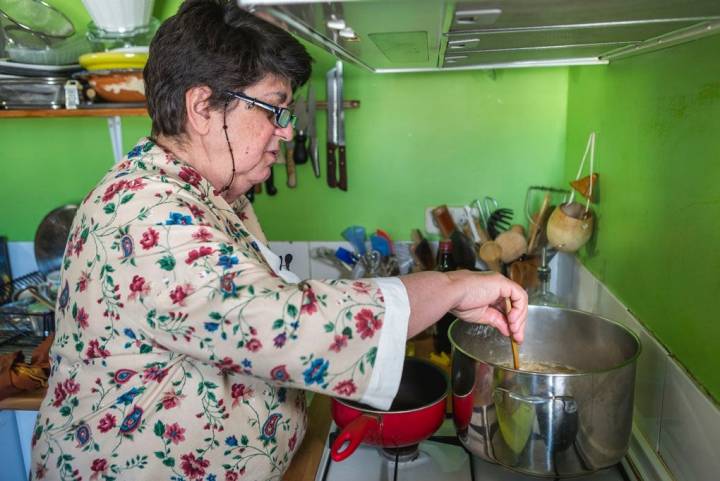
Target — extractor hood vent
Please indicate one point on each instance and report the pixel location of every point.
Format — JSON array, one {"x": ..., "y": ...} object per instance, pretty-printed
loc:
[{"x": 430, "y": 35}]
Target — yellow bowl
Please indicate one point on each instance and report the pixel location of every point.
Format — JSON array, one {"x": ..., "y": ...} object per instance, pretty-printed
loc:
[{"x": 113, "y": 60}]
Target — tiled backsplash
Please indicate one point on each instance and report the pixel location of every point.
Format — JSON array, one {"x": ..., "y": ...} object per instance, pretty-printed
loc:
[
  {"x": 677, "y": 421},
  {"x": 676, "y": 418}
]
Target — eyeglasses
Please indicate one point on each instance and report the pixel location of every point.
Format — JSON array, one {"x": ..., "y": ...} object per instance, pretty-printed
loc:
[{"x": 282, "y": 117}]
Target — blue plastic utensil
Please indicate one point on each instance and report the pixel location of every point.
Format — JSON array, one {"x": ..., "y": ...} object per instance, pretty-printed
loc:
[
  {"x": 346, "y": 256},
  {"x": 380, "y": 244},
  {"x": 355, "y": 235}
]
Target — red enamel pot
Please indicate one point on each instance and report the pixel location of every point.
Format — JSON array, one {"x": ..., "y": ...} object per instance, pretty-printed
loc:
[{"x": 416, "y": 413}]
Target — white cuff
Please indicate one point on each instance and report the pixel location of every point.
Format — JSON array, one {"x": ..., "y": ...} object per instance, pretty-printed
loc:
[{"x": 390, "y": 356}]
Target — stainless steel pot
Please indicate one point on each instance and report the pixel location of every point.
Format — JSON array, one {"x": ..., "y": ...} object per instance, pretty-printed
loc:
[{"x": 546, "y": 423}]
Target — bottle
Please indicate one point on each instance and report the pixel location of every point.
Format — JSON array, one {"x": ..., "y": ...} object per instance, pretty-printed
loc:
[
  {"x": 464, "y": 251},
  {"x": 542, "y": 295},
  {"x": 445, "y": 263}
]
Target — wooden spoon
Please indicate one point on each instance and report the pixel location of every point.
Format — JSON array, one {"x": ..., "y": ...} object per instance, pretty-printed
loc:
[{"x": 515, "y": 349}]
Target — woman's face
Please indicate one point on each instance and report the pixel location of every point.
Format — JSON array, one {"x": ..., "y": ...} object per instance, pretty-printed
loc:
[{"x": 253, "y": 135}]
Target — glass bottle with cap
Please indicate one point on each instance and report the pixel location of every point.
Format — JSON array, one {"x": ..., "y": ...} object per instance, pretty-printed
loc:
[{"x": 542, "y": 295}]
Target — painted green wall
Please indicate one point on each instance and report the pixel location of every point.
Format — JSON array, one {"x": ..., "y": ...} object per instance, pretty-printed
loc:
[
  {"x": 657, "y": 117},
  {"x": 418, "y": 140}
]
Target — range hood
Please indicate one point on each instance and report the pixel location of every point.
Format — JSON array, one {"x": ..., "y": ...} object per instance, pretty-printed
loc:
[{"x": 388, "y": 36}]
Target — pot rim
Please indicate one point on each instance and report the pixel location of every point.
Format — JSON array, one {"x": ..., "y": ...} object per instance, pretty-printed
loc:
[
  {"x": 371, "y": 410},
  {"x": 627, "y": 362}
]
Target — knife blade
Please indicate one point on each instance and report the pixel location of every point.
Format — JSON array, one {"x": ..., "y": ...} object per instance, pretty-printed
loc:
[
  {"x": 331, "y": 82},
  {"x": 311, "y": 130},
  {"x": 342, "y": 163}
]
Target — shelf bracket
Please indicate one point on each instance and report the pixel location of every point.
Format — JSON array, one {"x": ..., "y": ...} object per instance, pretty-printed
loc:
[{"x": 115, "y": 129}]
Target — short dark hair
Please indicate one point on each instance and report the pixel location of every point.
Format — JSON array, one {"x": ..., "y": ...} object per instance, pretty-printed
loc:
[{"x": 217, "y": 44}]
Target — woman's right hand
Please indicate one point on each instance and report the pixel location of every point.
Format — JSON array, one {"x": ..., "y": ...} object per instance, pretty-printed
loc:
[
  {"x": 472, "y": 296},
  {"x": 483, "y": 300}
]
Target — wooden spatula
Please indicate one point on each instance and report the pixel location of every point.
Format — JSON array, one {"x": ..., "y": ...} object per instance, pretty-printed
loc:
[{"x": 515, "y": 349}]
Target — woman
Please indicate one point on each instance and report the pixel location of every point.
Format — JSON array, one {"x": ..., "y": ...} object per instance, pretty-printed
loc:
[{"x": 181, "y": 351}]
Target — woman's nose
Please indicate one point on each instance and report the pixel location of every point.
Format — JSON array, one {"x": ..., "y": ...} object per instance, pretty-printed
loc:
[{"x": 285, "y": 133}]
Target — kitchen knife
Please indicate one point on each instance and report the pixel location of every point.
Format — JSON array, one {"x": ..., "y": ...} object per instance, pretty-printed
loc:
[
  {"x": 300, "y": 150},
  {"x": 270, "y": 183},
  {"x": 342, "y": 163},
  {"x": 312, "y": 132},
  {"x": 331, "y": 82}
]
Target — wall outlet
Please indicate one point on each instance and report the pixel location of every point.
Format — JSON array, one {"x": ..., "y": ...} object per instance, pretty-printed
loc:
[{"x": 457, "y": 213}]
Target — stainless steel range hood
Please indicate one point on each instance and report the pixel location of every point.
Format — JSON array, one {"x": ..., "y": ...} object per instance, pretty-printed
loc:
[{"x": 438, "y": 35}]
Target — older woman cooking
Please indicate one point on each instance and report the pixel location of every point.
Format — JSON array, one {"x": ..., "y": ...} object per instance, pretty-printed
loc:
[{"x": 182, "y": 351}]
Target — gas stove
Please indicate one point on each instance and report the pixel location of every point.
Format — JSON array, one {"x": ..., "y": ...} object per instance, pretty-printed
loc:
[{"x": 437, "y": 459}]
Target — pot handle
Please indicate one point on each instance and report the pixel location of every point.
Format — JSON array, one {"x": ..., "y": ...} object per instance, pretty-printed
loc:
[{"x": 353, "y": 433}]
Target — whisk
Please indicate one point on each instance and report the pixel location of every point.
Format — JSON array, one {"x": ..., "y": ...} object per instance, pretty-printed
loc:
[{"x": 495, "y": 219}]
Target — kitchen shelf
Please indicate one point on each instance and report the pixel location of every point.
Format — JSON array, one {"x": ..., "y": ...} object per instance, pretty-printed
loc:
[
  {"x": 99, "y": 112},
  {"x": 113, "y": 112}
]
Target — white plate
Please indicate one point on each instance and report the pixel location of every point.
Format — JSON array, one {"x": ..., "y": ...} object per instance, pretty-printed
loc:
[{"x": 4, "y": 62}]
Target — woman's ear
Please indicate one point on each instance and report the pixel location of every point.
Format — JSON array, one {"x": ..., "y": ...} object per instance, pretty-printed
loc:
[{"x": 197, "y": 107}]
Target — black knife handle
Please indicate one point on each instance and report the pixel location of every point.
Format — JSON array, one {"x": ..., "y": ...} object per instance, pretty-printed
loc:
[
  {"x": 270, "y": 183},
  {"x": 342, "y": 164},
  {"x": 332, "y": 182},
  {"x": 300, "y": 154}
]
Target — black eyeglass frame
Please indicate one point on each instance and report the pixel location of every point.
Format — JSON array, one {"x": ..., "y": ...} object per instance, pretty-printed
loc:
[{"x": 282, "y": 116}]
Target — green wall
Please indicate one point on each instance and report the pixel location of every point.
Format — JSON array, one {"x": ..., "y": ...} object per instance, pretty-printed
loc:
[
  {"x": 417, "y": 140},
  {"x": 657, "y": 246}
]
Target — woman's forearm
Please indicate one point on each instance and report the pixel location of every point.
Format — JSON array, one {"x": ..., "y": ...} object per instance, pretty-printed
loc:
[{"x": 431, "y": 296}]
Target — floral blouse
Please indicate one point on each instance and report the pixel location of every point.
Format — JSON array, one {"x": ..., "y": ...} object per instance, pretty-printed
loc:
[{"x": 179, "y": 353}]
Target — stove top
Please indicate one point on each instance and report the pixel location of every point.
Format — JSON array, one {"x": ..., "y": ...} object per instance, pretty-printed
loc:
[{"x": 439, "y": 458}]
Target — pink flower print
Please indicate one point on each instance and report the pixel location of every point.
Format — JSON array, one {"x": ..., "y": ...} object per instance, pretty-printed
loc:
[
  {"x": 366, "y": 324},
  {"x": 253, "y": 345},
  {"x": 190, "y": 175},
  {"x": 82, "y": 283},
  {"x": 292, "y": 441},
  {"x": 361, "y": 287},
  {"x": 171, "y": 400},
  {"x": 138, "y": 287},
  {"x": 196, "y": 254},
  {"x": 82, "y": 318},
  {"x": 179, "y": 294},
  {"x": 78, "y": 247},
  {"x": 339, "y": 343},
  {"x": 240, "y": 392},
  {"x": 94, "y": 350},
  {"x": 196, "y": 211},
  {"x": 106, "y": 423},
  {"x": 174, "y": 433},
  {"x": 202, "y": 235},
  {"x": 155, "y": 373},
  {"x": 231, "y": 476},
  {"x": 71, "y": 386},
  {"x": 149, "y": 238},
  {"x": 309, "y": 305},
  {"x": 99, "y": 466},
  {"x": 136, "y": 184},
  {"x": 345, "y": 388},
  {"x": 228, "y": 366},
  {"x": 60, "y": 395},
  {"x": 113, "y": 189},
  {"x": 192, "y": 467}
]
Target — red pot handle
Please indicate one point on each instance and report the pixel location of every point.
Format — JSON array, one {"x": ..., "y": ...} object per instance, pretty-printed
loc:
[{"x": 353, "y": 433}]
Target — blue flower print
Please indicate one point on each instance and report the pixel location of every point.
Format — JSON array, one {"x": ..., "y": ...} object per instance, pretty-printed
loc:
[
  {"x": 227, "y": 261},
  {"x": 231, "y": 441},
  {"x": 211, "y": 326},
  {"x": 176, "y": 218},
  {"x": 316, "y": 372},
  {"x": 127, "y": 397}
]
